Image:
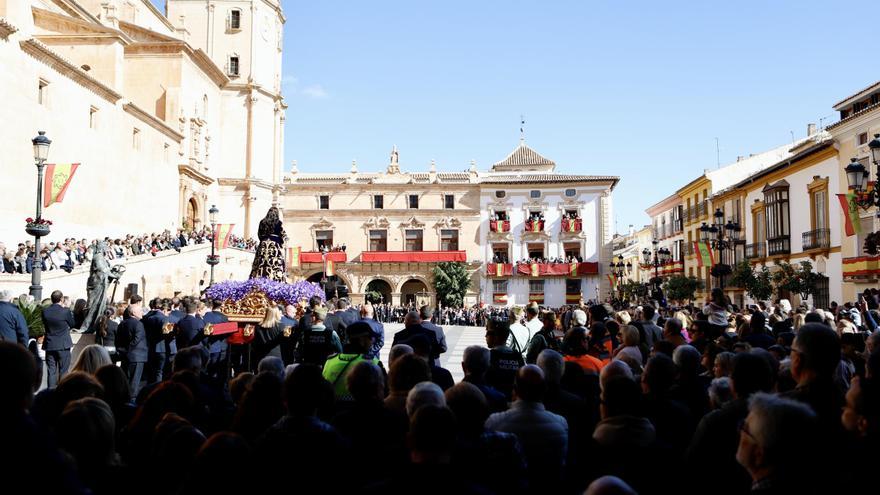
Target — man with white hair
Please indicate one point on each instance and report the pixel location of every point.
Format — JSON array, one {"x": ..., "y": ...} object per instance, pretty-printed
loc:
[
  {"x": 424, "y": 394},
  {"x": 13, "y": 327},
  {"x": 775, "y": 442}
]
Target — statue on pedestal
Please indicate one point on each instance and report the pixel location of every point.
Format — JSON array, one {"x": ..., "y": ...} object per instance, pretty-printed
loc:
[{"x": 96, "y": 286}]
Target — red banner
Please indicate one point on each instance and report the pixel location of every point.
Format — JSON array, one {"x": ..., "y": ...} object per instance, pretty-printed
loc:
[
  {"x": 499, "y": 298},
  {"x": 534, "y": 225},
  {"x": 58, "y": 177},
  {"x": 221, "y": 237},
  {"x": 318, "y": 257},
  {"x": 499, "y": 270},
  {"x": 557, "y": 269},
  {"x": 412, "y": 256}
]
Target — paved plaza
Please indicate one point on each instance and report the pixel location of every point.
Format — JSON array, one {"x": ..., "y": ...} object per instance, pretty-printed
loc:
[{"x": 458, "y": 338}]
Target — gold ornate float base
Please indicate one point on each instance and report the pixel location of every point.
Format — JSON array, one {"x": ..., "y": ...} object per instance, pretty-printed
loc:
[{"x": 251, "y": 308}]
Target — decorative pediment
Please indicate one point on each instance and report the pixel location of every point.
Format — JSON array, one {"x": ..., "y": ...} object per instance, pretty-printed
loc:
[
  {"x": 412, "y": 223},
  {"x": 448, "y": 223},
  {"x": 377, "y": 223},
  {"x": 322, "y": 224}
]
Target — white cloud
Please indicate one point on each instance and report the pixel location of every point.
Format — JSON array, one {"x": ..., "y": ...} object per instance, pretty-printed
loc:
[
  {"x": 315, "y": 91},
  {"x": 289, "y": 80}
]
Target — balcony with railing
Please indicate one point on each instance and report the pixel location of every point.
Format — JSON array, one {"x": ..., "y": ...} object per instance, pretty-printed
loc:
[
  {"x": 499, "y": 225},
  {"x": 756, "y": 251},
  {"x": 816, "y": 239},
  {"x": 534, "y": 226},
  {"x": 677, "y": 226},
  {"x": 318, "y": 257},
  {"x": 572, "y": 225},
  {"x": 778, "y": 245},
  {"x": 412, "y": 256}
]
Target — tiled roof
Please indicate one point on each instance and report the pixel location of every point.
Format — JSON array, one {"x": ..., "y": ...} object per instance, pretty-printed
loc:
[
  {"x": 860, "y": 92},
  {"x": 545, "y": 178},
  {"x": 854, "y": 116},
  {"x": 523, "y": 156}
]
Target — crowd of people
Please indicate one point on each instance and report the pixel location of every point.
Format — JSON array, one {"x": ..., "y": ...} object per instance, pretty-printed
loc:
[
  {"x": 637, "y": 399},
  {"x": 71, "y": 253}
]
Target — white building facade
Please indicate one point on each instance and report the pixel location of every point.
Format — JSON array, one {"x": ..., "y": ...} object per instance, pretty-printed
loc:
[{"x": 555, "y": 261}]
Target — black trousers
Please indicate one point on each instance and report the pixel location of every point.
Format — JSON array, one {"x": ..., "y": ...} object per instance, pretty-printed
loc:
[{"x": 57, "y": 364}]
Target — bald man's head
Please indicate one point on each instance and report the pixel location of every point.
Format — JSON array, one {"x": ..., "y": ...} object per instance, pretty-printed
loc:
[
  {"x": 609, "y": 485},
  {"x": 529, "y": 384}
]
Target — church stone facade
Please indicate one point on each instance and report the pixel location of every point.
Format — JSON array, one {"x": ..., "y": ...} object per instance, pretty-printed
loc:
[{"x": 166, "y": 114}]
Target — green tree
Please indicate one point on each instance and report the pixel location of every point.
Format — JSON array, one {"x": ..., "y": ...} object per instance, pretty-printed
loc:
[
  {"x": 796, "y": 279},
  {"x": 756, "y": 283},
  {"x": 451, "y": 282},
  {"x": 682, "y": 288},
  {"x": 373, "y": 296}
]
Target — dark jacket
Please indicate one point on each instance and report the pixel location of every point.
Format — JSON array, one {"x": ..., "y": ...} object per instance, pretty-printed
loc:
[
  {"x": 218, "y": 343},
  {"x": 57, "y": 321},
  {"x": 712, "y": 452},
  {"x": 13, "y": 327},
  {"x": 411, "y": 331},
  {"x": 190, "y": 331},
  {"x": 158, "y": 342},
  {"x": 131, "y": 340}
]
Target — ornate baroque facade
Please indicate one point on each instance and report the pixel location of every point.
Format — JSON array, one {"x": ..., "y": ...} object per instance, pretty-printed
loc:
[
  {"x": 166, "y": 115},
  {"x": 397, "y": 225}
]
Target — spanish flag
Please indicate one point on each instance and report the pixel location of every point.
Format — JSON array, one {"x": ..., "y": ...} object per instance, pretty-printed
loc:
[
  {"x": 850, "y": 213},
  {"x": 499, "y": 269},
  {"x": 574, "y": 269},
  {"x": 612, "y": 280},
  {"x": 58, "y": 176},
  {"x": 293, "y": 257},
  {"x": 221, "y": 235},
  {"x": 705, "y": 257},
  {"x": 534, "y": 269}
]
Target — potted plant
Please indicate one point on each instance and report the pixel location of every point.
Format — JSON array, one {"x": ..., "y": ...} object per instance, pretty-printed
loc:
[{"x": 38, "y": 227}]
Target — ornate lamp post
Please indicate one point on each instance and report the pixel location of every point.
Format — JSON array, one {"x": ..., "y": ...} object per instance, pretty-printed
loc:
[
  {"x": 857, "y": 177},
  {"x": 213, "y": 259},
  {"x": 37, "y": 228},
  {"x": 620, "y": 270},
  {"x": 656, "y": 258},
  {"x": 721, "y": 237}
]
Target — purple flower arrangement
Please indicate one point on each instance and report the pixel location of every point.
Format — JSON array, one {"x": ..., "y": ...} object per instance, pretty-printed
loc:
[{"x": 276, "y": 291}]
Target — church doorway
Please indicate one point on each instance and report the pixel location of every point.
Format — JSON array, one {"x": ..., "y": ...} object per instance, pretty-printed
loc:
[{"x": 191, "y": 220}]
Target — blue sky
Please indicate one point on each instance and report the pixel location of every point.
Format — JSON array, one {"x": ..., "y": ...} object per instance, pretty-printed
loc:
[{"x": 635, "y": 89}]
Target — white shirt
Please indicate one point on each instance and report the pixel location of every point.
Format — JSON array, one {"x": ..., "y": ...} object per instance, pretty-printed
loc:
[
  {"x": 535, "y": 325},
  {"x": 522, "y": 334}
]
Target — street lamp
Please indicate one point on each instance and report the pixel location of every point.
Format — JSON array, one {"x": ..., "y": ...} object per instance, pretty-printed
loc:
[
  {"x": 213, "y": 259},
  {"x": 656, "y": 257},
  {"x": 857, "y": 177},
  {"x": 620, "y": 270},
  {"x": 722, "y": 237},
  {"x": 37, "y": 228}
]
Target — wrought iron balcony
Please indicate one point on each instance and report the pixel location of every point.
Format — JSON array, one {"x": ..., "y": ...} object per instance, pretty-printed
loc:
[
  {"x": 755, "y": 251},
  {"x": 817, "y": 239},
  {"x": 779, "y": 245}
]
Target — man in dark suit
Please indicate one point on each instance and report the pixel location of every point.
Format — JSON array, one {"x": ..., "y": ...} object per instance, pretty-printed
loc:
[
  {"x": 190, "y": 328},
  {"x": 216, "y": 345},
  {"x": 425, "y": 312},
  {"x": 161, "y": 346},
  {"x": 131, "y": 343},
  {"x": 413, "y": 327},
  {"x": 57, "y": 321},
  {"x": 344, "y": 316},
  {"x": 176, "y": 314},
  {"x": 288, "y": 319}
]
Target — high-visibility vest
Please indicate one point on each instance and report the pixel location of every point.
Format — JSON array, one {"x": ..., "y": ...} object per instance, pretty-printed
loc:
[{"x": 337, "y": 368}]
